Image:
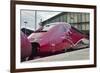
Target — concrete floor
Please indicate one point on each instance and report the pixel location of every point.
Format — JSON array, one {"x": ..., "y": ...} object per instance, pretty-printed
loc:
[{"x": 82, "y": 54}]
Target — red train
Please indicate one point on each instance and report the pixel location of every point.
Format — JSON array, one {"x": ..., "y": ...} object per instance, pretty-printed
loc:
[{"x": 54, "y": 37}]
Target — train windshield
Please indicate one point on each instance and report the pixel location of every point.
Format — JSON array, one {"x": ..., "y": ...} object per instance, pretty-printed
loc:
[{"x": 48, "y": 27}]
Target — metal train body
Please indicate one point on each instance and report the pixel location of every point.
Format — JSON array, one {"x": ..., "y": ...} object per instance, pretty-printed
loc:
[{"x": 55, "y": 37}]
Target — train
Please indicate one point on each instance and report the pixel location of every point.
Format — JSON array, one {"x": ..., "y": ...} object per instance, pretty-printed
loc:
[{"x": 51, "y": 38}]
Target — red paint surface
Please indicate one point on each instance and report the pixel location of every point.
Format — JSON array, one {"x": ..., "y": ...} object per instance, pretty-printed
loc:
[
  {"x": 59, "y": 37},
  {"x": 26, "y": 47}
]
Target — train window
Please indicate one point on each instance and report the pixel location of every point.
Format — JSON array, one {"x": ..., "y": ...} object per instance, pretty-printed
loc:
[{"x": 47, "y": 25}]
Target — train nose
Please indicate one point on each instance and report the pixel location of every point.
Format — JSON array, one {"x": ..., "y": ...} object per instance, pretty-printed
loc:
[{"x": 26, "y": 46}]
